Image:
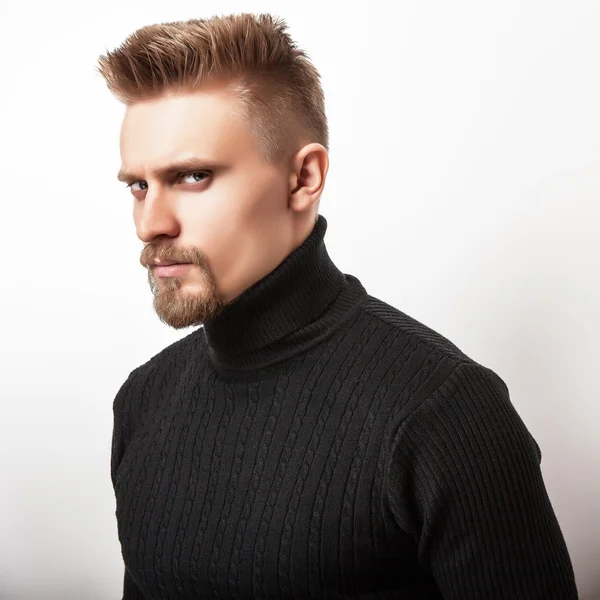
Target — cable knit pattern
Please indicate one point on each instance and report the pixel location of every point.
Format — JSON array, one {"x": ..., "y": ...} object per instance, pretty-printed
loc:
[{"x": 313, "y": 441}]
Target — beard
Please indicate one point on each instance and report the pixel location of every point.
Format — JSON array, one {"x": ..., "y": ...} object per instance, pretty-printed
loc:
[{"x": 186, "y": 301}]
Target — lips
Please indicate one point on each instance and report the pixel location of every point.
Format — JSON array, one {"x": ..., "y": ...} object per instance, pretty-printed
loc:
[
  {"x": 166, "y": 263},
  {"x": 174, "y": 270}
]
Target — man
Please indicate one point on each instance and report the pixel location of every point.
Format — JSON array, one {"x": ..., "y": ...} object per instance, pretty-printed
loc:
[{"x": 308, "y": 440}]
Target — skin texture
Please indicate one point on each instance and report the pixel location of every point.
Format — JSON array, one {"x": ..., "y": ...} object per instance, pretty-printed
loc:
[{"x": 233, "y": 216}]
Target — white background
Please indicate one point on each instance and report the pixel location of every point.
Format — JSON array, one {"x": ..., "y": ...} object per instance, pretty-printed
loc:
[{"x": 463, "y": 189}]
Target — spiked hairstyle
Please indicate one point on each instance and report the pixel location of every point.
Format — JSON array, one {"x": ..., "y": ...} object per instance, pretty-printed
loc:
[{"x": 278, "y": 91}]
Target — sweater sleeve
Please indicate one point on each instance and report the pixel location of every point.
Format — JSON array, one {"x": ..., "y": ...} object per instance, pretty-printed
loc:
[
  {"x": 121, "y": 408},
  {"x": 464, "y": 480},
  {"x": 130, "y": 590},
  {"x": 122, "y": 404}
]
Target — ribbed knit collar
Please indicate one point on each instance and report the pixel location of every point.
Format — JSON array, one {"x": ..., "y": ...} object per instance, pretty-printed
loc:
[{"x": 295, "y": 306}]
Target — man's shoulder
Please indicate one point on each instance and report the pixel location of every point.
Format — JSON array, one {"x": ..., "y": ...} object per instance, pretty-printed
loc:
[
  {"x": 168, "y": 356},
  {"x": 165, "y": 362},
  {"x": 427, "y": 361},
  {"x": 408, "y": 327},
  {"x": 141, "y": 392}
]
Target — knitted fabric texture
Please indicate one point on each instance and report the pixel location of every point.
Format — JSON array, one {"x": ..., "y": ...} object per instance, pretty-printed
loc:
[{"x": 313, "y": 441}]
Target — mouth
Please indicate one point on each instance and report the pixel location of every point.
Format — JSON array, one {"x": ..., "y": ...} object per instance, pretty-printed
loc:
[
  {"x": 170, "y": 270},
  {"x": 166, "y": 263}
]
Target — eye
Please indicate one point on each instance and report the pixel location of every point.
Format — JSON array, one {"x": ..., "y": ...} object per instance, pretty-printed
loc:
[
  {"x": 193, "y": 174},
  {"x": 130, "y": 185}
]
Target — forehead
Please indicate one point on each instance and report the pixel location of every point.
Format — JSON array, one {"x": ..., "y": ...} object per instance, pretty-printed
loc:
[{"x": 204, "y": 122}]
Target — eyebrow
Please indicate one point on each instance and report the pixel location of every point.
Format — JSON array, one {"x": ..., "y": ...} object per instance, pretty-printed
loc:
[{"x": 172, "y": 168}]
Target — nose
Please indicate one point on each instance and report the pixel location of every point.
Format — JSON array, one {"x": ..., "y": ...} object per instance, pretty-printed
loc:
[{"x": 154, "y": 216}]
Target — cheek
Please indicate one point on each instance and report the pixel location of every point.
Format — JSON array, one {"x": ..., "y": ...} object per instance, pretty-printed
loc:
[{"x": 265, "y": 199}]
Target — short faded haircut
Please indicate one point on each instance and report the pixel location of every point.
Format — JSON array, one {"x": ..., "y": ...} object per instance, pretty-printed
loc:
[{"x": 279, "y": 91}]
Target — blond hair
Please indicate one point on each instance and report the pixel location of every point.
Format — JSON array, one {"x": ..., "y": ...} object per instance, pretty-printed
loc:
[{"x": 278, "y": 89}]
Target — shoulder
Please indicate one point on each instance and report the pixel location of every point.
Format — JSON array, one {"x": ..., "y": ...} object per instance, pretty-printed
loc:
[
  {"x": 407, "y": 326},
  {"x": 190, "y": 346},
  {"x": 468, "y": 420},
  {"x": 425, "y": 353},
  {"x": 133, "y": 393},
  {"x": 441, "y": 383}
]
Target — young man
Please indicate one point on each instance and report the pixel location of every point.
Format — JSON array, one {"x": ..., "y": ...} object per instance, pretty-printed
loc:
[{"x": 308, "y": 440}]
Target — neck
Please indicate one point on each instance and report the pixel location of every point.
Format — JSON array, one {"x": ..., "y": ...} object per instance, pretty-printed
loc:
[{"x": 300, "y": 303}]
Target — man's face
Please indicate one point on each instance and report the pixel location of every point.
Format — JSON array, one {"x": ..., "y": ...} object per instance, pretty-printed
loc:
[{"x": 225, "y": 213}]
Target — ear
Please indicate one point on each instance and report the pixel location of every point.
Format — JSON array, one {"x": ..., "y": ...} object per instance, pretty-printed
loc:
[{"x": 307, "y": 177}]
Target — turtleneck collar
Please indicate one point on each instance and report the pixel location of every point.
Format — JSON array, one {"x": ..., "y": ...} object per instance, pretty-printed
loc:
[{"x": 291, "y": 309}]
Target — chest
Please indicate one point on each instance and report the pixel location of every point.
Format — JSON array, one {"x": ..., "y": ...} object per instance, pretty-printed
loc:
[{"x": 258, "y": 496}]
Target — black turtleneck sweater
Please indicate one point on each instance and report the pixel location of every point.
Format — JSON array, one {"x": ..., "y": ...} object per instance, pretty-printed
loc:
[{"x": 313, "y": 441}]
